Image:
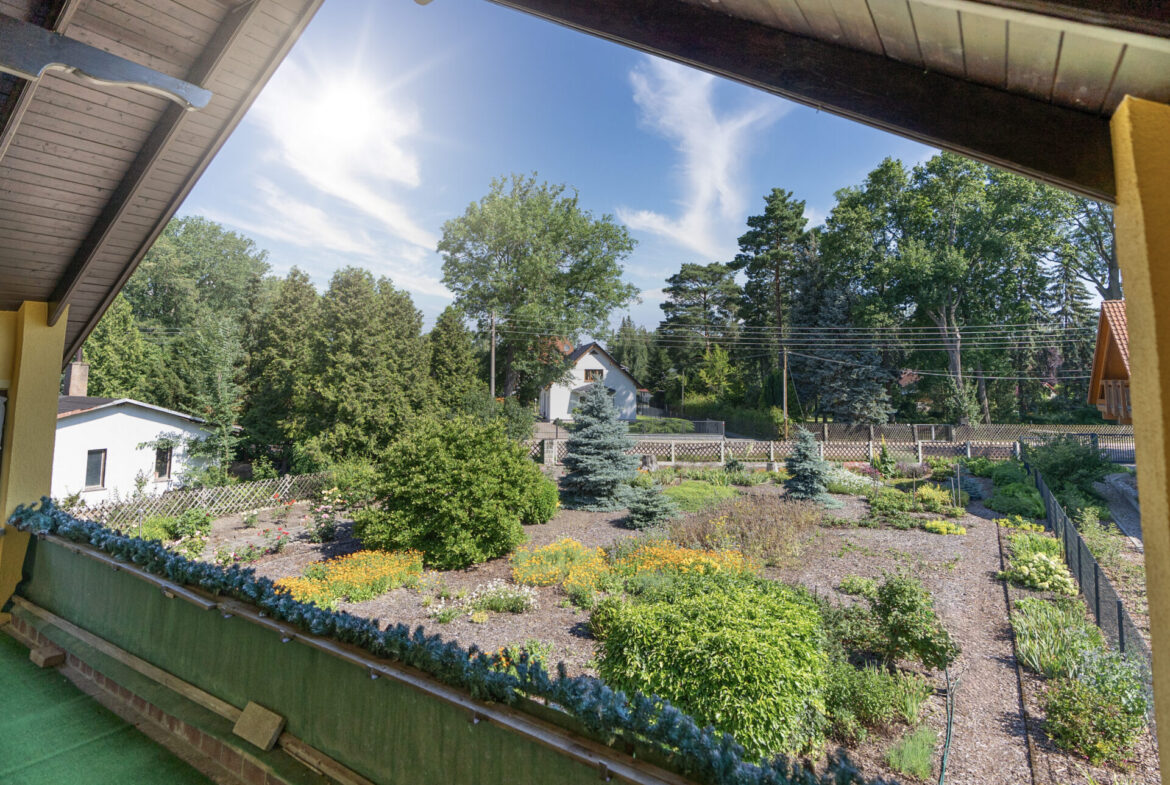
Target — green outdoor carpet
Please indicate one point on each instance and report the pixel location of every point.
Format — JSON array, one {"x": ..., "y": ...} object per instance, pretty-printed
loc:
[{"x": 51, "y": 733}]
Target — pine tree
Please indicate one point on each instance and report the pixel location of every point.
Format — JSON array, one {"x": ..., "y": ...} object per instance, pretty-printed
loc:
[
  {"x": 808, "y": 474},
  {"x": 599, "y": 468},
  {"x": 649, "y": 506},
  {"x": 118, "y": 356},
  {"x": 453, "y": 361},
  {"x": 631, "y": 348}
]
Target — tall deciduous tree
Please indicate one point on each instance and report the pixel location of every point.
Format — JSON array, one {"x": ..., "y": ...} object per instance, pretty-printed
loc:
[
  {"x": 529, "y": 253},
  {"x": 280, "y": 367},
  {"x": 1089, "y": 249}
]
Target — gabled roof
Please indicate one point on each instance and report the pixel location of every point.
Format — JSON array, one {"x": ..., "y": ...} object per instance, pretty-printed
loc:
[
  {"x": 1113, "y": 311},
  {"x": 1112, "y": 342},
  {"x": 70, "y": 405},
  {"x": 594, "y": 346}
]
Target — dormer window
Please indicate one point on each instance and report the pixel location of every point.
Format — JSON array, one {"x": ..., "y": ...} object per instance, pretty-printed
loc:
[{"x": 594, "y": 374}]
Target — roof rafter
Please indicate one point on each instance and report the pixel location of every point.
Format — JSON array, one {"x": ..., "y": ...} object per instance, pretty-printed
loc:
[
  {"x": 168, "y": 127},
  {"x": 1013, "y": 132}
]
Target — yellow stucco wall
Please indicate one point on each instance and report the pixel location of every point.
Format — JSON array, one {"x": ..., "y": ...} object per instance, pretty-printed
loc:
[
  {"x": 31, "y": 351},
  {"x": 1141, "y": 156}
]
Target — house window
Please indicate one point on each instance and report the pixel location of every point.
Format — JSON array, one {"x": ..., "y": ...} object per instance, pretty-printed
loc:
[
  {"x": 162, "y": 463},
  {"x": 95, "y": 469},
  {"x": 594, "y": 374}
]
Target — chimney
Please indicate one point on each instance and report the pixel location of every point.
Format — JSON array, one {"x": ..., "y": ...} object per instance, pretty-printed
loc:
[{"x": 77, "y": 378}]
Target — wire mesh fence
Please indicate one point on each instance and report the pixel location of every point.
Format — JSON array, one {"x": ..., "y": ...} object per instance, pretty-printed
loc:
[
  {"x": 1102, "y": 598},
  {"x": 221, "y": 501}
]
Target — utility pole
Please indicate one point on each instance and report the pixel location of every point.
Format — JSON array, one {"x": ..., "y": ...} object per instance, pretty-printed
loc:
[
  {"x": 682, "y": 402},
  {"x": 786, "y": 393},
  {"x": 492, "y": 353}
]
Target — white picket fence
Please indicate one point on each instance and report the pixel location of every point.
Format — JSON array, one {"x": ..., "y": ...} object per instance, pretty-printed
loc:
[{"x": 221, "y": 501}]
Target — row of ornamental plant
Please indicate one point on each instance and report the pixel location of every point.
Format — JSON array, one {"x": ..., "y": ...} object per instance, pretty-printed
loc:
[
  {"x": 694, "y": 749},
  {"x": 1095, "y": 700}
]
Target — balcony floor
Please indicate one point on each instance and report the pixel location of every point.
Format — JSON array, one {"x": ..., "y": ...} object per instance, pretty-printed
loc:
[{"x": 51, "y": 733}]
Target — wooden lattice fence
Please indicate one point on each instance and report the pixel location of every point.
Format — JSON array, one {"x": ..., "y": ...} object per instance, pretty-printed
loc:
[{"x": 225, "y": 500}]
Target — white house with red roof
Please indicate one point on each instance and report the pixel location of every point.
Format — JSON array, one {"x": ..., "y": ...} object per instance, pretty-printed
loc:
[
  {"x": 108, "y": 448},
  {"x": 592, "y": 364}
]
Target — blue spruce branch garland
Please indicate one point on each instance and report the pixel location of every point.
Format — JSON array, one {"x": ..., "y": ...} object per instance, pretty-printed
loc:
[{"x": 701, "y": 753}]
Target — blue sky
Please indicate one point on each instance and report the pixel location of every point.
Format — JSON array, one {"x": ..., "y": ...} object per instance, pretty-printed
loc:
[{"x": 388, "y": 119}]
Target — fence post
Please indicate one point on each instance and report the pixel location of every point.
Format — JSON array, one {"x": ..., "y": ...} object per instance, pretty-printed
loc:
[
  {"x": 1120, "y": 627},
  {"x": 771, "y": 452},
  {"x": 918, "y": 447},
  {"x": 722, "y": 451},
  {"x": 1097, "y": 591},
  {"x": 672, "y": 452},
  {"x": 871, "y": 450},
  {"x": 932, "y": 437},
  {"x": 968, "y": 448},
  {"x": 548, "y": 452},
  {"x": 824, "y": 431},
  {"x": 821, "y": 450}
]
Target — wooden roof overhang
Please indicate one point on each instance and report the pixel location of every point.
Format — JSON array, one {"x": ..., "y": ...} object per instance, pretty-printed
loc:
[
  {"x": 1111, "y": 355},
  {"x": 1025, "y": 85},
  {"x": 90, "y": 174}
]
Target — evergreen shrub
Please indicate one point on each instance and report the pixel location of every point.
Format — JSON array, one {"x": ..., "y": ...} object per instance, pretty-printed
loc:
[
  {"x": 599, "y": 468},
  {"x": 904, "y": 610},
  {"x": 891, "y": 500},
  {"x": 1017, "y": 498},
  {"x": 457, "y": 490},
  {"x": 1009, "y": 472},
  {"x": 807, "y": 474},
  {"x": 742, "y": 655},
  {"x": 649, "y": 507}
]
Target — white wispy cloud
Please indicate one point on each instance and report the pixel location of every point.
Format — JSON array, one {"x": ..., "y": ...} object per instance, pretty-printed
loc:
[
  {"x": 346, "y": 138},
  {"x": 678, "y": 103}
]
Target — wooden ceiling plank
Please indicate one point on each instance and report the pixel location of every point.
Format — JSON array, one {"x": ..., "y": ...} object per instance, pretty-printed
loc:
[
  {"x": 1142, "y": 72},
  {"x": 896, "y": 28},
  {"x": 1032, "y": 53},
  {"x": 1086, "y": 69},
  {"x": 110, "y": 114},
  {"x": 157, "y": 148},
  {"x": 1013, "y": 132},
  {"x": 212, "y": 11},
  {"x": 1151, "y": 17},
  {"x": 98, "y": 170},
  {"x": 102, "y": 131},
  {"x": 822, "y": 20},
  {"x": 19, "y": 106},
  {"x": 939, "y": 38},
  {"x": 854, "y": 18},
  {"x": 125, "y": 101},
  {"x": 168, "y": 16},
  {"x": 171, "y": 63},
  {"x": 985, "y": 48},
  {"x": 143, "y": 33},
  {"x": 786, "y": 16}
]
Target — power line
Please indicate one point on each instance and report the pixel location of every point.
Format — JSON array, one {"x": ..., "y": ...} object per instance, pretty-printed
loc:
[{"x": 936, "y": 373}]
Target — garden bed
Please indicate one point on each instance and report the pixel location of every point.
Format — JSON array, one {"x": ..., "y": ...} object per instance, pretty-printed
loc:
[{"x": 990, "y": 741}]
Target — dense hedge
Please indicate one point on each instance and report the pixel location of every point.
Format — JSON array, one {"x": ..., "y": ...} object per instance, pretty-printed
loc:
[
  {"x": 746, "y": 656},
  {"x": 697, "y": 752},
  {"x": 457, "y": 490}
]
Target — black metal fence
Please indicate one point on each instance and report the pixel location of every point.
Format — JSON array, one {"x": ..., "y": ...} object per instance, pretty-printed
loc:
[
  {"x": 1101, "y": 596},
  {"x": 1117, "y": 446}
]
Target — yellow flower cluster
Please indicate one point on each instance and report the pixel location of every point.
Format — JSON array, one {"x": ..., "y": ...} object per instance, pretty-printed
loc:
[
  {"x": 553, "y": 564},
  {"x": 357, "y": 577},
  {"x": 667, "y": 557}
]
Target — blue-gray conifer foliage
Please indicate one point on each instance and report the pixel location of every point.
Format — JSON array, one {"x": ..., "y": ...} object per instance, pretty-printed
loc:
[
  {"x": 807, "y": 472},
  {"x": 599, "y": 468}
]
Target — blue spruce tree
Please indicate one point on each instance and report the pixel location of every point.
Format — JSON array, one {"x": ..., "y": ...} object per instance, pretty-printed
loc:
[
  {"x": 599, "y": 468},
  {"x": 807, "y": 472}
]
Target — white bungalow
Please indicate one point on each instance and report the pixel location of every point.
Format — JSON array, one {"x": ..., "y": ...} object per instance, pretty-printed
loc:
[
  {"x": 108, "y": 448},
  {"x": 591, "y": 365}
]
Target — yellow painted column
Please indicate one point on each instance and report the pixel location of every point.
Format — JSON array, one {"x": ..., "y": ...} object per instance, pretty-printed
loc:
[
  {"x": 30, "y": 362},
  {"x": 1141, "y": 157}
]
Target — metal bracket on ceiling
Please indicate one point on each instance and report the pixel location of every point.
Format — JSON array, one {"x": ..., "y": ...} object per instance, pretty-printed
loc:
[{"x": 28, "y": 51}]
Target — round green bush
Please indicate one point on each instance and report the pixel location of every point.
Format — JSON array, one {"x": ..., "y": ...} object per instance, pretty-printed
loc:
[
  {"x": 458, "y": 490},
  {"x": 745, "y": 656}
]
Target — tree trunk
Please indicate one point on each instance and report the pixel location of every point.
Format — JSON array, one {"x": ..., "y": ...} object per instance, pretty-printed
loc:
[
  {"x": 982, "y": 391},
  {"x": 1114, "y": 290},
  {"x": 952, "y": 340}
]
